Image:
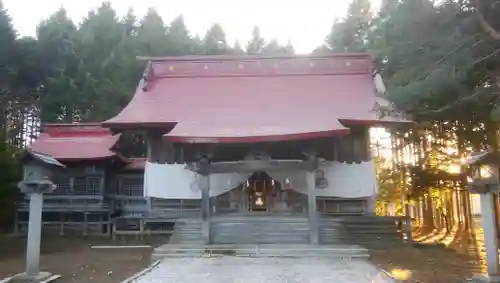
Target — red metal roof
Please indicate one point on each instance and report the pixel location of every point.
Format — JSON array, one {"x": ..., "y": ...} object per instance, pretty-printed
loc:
[
  {"x": 76, "y": 142},
  {"x": 253, "y": 99}
]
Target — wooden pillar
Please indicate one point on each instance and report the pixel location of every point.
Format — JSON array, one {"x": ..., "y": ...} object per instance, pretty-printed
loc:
[
  {"x": 311, "y": 205},
  {"x": 204, "y": 185},
  {"x": 156, "y": 153},
  {"x": 371, "y": 205},
  {"x": 490, "y": 232}
]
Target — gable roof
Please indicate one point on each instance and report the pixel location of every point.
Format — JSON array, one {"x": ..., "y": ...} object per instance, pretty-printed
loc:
[
  {"x": 66, "y": 142},
  {"x": 212, "y": 99}
]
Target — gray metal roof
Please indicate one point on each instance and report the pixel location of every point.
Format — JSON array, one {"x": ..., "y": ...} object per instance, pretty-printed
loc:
[{"x": 45, "y": 158}]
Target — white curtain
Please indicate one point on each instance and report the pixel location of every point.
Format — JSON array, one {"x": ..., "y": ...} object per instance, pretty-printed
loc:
[
  {"x": 349, "y": 180},
  {"x": 344, "y": 180},
  {"x": 173, "y": 181},
  {"x": 291, "y": 180}
]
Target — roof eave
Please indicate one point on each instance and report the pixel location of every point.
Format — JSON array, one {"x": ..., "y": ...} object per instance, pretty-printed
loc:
[
  {"x": 138, "y": 125},
  {"x": 257, "y": 139},
  {"x": 252, "y": 57}
]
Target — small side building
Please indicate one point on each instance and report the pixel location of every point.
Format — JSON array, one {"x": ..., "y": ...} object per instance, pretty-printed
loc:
[{"x": 96, "y": 184}]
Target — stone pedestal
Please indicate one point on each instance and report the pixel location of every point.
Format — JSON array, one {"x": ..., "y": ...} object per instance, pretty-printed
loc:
[
  {"x": 486, "y": 279},
  {"x": 488, "y": 216},
  {"x": 34, "y": 234},
  {"x": 26, "y": 278},
  {"x": 33, "y": 273}
]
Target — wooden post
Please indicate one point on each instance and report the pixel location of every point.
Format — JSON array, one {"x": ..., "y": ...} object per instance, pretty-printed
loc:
[
  {"x": 16, "y": 222},
  {"x": 155, "y": 154},
  {"x": 311, "y": 205},
  {"x": 204, "y": 185},
  {"x": 371, "y": 205}
]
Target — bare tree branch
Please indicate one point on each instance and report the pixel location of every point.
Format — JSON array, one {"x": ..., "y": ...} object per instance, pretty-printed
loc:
[{"x": 484, "y": 23}]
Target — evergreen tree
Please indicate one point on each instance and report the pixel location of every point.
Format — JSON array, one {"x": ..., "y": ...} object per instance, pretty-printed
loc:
[
  {"x": 350, "y": 34},
  {"x": 215, "y": 41},
  {"x": 257, "y": 43}
]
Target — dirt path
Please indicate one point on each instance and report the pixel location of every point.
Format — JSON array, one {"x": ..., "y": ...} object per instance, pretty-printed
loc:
[{"x": 76, "y": 261}]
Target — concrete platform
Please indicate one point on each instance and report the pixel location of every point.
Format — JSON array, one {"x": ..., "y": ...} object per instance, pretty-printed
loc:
[{"x": 258, "y": 270}]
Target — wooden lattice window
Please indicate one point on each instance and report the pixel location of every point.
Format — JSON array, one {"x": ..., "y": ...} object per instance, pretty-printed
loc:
[
  {"x": 87, "y": 185},
  {"x": 63, "y": 185},
  {"x": 131, "y": 186}
]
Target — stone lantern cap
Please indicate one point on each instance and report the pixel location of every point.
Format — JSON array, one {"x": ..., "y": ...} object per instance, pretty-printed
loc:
[
  {"x": 37, "y": 173},
  {"x": 43, "y": 158},
  {"x": 483, "y": 157},
  {"x": 484, "y": 173}
]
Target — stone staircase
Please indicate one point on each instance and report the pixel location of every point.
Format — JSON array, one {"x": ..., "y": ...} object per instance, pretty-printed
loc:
[
  {"x": 281, "y": 236},
  {"x": 368, "y": 231},
  {"x": 260, "y": 229},
  {"x": 187, "y": 231},
  {"x": 372, "y": 231},
  {"x": 332, "y": 231},
  {"x": 260, "y": 250}
]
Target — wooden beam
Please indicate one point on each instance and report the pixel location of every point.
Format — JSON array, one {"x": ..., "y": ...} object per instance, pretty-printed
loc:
[
  {"x": 250, "y": 166},
  {"x": 311, "y": 206},
  {"x": 204, "y": 184}
]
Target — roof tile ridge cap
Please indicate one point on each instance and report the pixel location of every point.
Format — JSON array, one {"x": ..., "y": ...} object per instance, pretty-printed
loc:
[{"x": 236, "y": 57}]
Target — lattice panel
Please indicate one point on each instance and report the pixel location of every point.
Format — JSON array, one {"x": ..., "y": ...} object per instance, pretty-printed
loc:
[
  {"x": 131, "y": 186},
  {"x": 87, "y": 185},
  {"x": 63, "y": 185}
]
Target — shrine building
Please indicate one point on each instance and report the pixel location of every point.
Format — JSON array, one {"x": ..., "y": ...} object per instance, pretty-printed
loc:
[{"x": 229, "y": 140}]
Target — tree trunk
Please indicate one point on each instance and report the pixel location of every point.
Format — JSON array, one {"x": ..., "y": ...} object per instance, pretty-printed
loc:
[
  {"x": 458, "y": 204},
  {"x": 417, "y": 211},
  {"x": 451, "y": 209},
  {"x": 451, "y": 212},
  {"x": 466, "y": 210},
  {"x": 428, "y": 215}
]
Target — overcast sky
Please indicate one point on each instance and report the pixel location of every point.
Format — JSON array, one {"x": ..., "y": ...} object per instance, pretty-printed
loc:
[{"x": 305, "y": 23}]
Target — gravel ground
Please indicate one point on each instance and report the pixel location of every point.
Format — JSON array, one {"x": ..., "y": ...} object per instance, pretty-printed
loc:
[
  {"x": 269, "y": 270},
  {"x": 73, "y": 258}
]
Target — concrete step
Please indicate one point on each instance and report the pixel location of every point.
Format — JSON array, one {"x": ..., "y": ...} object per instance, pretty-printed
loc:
[{"x": 271, "y": 250}]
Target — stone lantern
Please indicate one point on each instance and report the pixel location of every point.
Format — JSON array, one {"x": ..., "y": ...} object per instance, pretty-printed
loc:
[
  {"x": 484, "y": 180},
  {"x": 37, "y": 181}
]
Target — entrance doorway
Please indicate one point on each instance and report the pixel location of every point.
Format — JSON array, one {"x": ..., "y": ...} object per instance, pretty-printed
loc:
[{"x": 260, "y": 187}]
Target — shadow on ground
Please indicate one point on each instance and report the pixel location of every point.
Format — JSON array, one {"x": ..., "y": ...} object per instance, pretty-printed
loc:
[{"x": 439, "y": 257}]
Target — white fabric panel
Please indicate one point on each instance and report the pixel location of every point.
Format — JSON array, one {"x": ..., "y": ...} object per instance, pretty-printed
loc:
[
  {"x": 223, "y": 183},
  {"x": 170, "y": 181},
  {"x": 344, "y": 180},
  {"x": 291, "y": 180},
  {"x": 173, "y": 181},
  {"x": 349, "y": 180}
]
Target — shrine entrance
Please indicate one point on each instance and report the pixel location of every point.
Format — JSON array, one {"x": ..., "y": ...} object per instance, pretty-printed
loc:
[{"x": 260, "y": 189}]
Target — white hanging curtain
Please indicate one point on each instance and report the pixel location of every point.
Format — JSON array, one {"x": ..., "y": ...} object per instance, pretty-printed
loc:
[
  {"x": 349, "y": 180},
  {"x": 173, "y": 181},
  {"x": 291, "y": 180},
  {"x": 223, "y": 183},
  {"x": 344, "y": 180}
]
